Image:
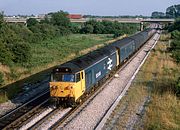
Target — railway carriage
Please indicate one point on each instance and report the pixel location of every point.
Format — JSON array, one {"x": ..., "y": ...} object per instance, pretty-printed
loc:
[{"x": 125, "y": 47}]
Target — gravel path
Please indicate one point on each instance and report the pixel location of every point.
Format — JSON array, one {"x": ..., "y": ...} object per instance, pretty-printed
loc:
[{"x": 92, "y": 113}]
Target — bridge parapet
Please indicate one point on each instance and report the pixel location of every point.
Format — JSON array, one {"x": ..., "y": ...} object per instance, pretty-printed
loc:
[{"x": 82, "y": 20}]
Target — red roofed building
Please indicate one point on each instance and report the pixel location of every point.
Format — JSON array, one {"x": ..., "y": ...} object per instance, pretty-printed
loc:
[{"x": 75, "y": 16}]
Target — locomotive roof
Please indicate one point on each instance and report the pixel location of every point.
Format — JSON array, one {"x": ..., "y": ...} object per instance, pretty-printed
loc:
[{"x": 84, "y": 61}]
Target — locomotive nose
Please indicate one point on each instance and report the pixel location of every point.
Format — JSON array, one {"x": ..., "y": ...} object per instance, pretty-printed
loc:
[{"x": 61, "y": 89}]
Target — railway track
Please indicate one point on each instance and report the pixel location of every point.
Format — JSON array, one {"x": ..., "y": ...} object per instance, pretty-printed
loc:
[
  {"x": 50, "y": 119},
  {"x": 17, "y": 117}
]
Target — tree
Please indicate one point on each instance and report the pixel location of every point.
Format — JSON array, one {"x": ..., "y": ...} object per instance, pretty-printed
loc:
[
  {"x": 91, "y": 22},
  {"x": 21, "y": 31},
  {"x": 99, "y": 28},
  {"x": 60, "y": 19},
  {"x": 173, "y": 11},
  {"x": 75, "y": 27},
  {"x": 45, "y": 20},
  {"x": 46, "y": 29},
  {"x": 31, "y": 22},
  {"x": 21, "y": 52},
  {"x": 175, "y": 26},
  {"x": 157, "y": 14},
  {"x": 87, "y": 29},
  {"x": 175, "y": 35},
  {"x": 5, "y": 55}
]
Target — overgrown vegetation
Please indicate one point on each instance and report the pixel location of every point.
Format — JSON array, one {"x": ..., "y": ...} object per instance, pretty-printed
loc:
[
  {"x": 29, "y": 49},
  {"x": 163, "y": 111},
  {"x": 175, "y": 46}
]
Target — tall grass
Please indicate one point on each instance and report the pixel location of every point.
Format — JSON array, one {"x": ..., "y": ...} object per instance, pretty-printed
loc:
[{"x": 163, "y": 111}]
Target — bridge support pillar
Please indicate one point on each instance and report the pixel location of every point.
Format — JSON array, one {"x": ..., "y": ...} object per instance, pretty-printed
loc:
[{"x": 141, "y": 26}]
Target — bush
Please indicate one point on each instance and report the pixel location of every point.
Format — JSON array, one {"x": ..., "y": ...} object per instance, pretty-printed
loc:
[
  {"x": 21, "y": 52},
  {"x": 31, "y": 22},
  {"x": 176, "y": 55},
  {"x": 87, "y": 29},
  {"x": 75, "y": 28},
  {"x": 44, "y": 31},
  {"x": 5, "y": 55},
  {"x": 175, "y": 34},
  {"x": 22, "y": 32},
  {"x": 175, "y": 26},
  {"x": 99, "y": 28}
]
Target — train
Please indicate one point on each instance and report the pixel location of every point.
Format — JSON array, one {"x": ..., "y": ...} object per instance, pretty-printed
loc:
[{"x": 71, "y": 81}]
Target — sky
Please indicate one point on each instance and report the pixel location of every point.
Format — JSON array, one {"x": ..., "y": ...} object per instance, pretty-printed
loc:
[{"x": 86, "y": 7}]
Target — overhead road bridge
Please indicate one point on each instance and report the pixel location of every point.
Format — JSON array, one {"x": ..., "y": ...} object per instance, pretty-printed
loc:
[
  {"x": 83, "y": 20},
  {"x": 126, "y": 20},
  {"x": 122, "y": 20}
]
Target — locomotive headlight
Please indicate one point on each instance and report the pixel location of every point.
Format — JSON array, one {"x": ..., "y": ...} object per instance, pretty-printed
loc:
[
  {"x": 70, "y": 87},
  {"x": 54, "y": 87}
]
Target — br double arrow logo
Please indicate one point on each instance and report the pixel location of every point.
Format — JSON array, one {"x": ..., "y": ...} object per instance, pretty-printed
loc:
[{"x": 109, "y": 63}]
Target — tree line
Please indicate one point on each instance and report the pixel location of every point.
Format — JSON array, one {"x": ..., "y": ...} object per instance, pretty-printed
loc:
[{"x": 171, "y": 12}]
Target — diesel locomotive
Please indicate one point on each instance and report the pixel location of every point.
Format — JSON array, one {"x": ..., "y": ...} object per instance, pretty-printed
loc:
[{"x": 73, "y": 79}]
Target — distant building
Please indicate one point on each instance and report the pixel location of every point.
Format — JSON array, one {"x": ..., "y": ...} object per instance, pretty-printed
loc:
[{"x": 75, "y": 16}]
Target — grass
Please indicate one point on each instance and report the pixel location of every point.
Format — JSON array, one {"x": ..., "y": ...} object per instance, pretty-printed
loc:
[
  {"x": 164, "y": 109},
  {"x": 159, "y": 74},
  {"x": 45, "y": 55},
  {"x": 56, "y": 50},
  {"x": 156, "y": 79}
]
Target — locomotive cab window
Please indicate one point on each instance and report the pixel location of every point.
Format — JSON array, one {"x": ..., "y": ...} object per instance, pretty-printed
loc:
[
  {"x": 82, "y": 75},
  {"x": 56, "y": 77},
  {"x": 78, "y": 77}
]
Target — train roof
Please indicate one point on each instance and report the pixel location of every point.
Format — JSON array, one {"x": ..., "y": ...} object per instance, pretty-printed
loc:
[
  {"x": 85, "y": 61},
  {"x": 122, "y": 42}
]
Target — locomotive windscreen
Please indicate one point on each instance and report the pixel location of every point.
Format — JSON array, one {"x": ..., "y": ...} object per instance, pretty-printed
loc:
[{"x": 63, "y": 77}]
